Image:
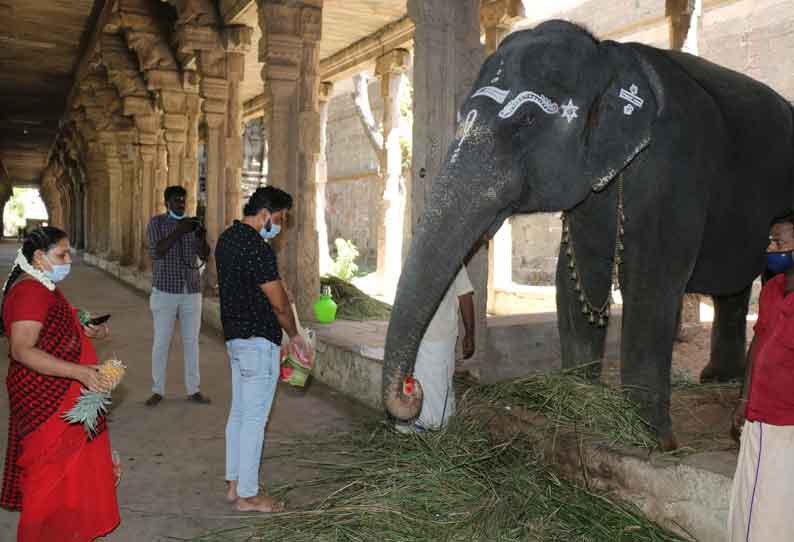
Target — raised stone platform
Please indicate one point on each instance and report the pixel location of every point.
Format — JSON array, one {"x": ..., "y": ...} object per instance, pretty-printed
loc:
[{"x": 689, "y": 495}]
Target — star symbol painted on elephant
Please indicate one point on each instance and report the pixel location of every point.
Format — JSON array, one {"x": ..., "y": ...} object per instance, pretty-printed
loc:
[{"x": 569, "y": 111}]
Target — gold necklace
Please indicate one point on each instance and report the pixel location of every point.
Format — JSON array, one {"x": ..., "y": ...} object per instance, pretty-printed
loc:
[{"x": 596, "y": 315}]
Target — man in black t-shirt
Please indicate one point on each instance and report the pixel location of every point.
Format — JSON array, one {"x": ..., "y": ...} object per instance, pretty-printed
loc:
[{"x": 254, "y": 310}]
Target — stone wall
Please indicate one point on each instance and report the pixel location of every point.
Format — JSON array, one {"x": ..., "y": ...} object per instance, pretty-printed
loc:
[
  {"x": 755, "y": 37},
  {"x": 352, "y": 189}
]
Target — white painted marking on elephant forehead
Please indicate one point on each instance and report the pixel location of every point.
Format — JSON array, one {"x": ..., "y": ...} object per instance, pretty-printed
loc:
[
  {"x": 569, "y": 111},
  {"x": 631, "y": 96},
  {"x": 498, "y": 73},
  {"x": 496, "y": 94},
  {"x": 540, "y": 100},
  {"x": 467, "y": 126}
]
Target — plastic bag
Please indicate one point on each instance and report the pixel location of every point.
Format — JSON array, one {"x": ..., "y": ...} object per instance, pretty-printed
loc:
[{"x": 294, "y": 369}]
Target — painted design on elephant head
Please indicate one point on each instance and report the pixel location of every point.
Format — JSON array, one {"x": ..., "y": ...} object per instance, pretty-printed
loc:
[
  {"x": 545, "y": 103},
  {"x": 498, "y": 73},
  {"x": 496, "y": 94},
  {"x": 468, "y": 124},
  {"x": 569, "y": 111},
  {"x": 631, "y": 96}
]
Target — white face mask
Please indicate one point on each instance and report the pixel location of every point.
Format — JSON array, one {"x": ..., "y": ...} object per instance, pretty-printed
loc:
[{"x": 59, "y": 271}]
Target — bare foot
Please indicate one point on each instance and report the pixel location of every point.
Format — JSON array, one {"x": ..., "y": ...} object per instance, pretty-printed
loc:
[
  {"x": 231, "y": 491},
  {"x": 260, "y": 503}
]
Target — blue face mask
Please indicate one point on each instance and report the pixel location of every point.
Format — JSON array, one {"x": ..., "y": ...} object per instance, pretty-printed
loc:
[
  {"x": 175, "y": 216},
  {"x": 778, "y": 262},
  {"x": 59, "y": 271},
  {"x": 271, "y": 232}
]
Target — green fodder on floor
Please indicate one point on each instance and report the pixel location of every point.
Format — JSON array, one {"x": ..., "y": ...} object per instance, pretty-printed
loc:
[
  {"x": 572, "y": 400},
  {"x": 462, "y": 484},
  {"x": 353, "y": 304}
]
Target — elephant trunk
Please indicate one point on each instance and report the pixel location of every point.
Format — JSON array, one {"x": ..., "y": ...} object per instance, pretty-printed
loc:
[{"x": 460, "y": 209}]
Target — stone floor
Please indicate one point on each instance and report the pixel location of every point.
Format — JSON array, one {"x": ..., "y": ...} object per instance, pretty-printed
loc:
[{"x": 174, "y": 454}]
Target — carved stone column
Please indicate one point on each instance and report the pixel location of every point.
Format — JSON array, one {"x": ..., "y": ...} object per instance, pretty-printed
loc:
[
  {"x": 683, "y": 21},
  {"x": 496, "y": 18},
  {"x": 390, "y": 69},
  {"x": 447, "y": 34},
  {"x": 216, "y": 192},
  {"x": 290, "y": 52},
  {"x": 115, "y": 220},
  {"x": 324, "y": 258},
  {"x": 190, "y": 164},
  {"x": 147, "y": 174},
  {"x": 238, "y": 41},
  {"x": 128, "y": 201}
]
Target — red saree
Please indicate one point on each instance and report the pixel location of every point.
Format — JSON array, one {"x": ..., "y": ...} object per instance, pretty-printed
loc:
[{"x": 61, "y": 481}]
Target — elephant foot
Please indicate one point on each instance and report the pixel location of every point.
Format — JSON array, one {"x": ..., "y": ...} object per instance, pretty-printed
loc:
[{"x": 713, "y": 374}]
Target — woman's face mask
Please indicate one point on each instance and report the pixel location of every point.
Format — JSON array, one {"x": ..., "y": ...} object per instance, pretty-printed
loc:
[{"x": 58, "y": 272}]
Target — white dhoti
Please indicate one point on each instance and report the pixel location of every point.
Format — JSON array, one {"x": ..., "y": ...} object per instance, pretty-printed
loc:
[
  {"x": 762, "y": 499},
  {"x": 434, "y": 369}
]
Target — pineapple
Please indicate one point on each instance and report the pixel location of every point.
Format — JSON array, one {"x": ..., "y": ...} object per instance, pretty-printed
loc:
[{"x": 90, "y": 405}]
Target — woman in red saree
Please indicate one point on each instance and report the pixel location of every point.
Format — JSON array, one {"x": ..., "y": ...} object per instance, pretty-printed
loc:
[{"x": 62, "y": 482}]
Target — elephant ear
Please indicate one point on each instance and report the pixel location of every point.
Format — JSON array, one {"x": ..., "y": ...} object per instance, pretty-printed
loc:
[{"x": 619, "y": 122}]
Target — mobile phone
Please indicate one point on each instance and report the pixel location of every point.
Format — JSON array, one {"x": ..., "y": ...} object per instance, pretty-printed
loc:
[{"x": 99, "y": 320}]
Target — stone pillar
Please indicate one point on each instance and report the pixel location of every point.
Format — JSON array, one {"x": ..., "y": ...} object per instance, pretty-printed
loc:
[
  {"x": 290, "y": 51},
  {"x": 115, "y": 217},
  {"x": 190, "y": 163},
  {"x": 160, "y": 177},
  {"x": 324, "y": 259},
  {"x": 447, "y": 34},
  {"x": 683, "y": 21},
  {"x": 221, "y": 68},
  {"x": 128, "y": 202},
  {"x": 390, "y": 69},
  {"x": 146, "y": 210},
  {"x": 238, "y": 41},
  {"x": 216, "y": 205},
  {"x": 496, "y": 19},
  {"x": 175, "y": 120}
]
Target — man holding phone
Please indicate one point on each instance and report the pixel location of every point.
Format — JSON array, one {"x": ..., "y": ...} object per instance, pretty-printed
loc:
[{"x": 176, "y": 244}]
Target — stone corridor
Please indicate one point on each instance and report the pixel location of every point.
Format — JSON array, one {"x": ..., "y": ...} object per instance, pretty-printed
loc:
[{"x": 173, "y": 454}]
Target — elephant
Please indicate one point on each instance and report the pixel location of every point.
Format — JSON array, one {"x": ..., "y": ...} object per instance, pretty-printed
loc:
[{"x": 668, "y": 170}]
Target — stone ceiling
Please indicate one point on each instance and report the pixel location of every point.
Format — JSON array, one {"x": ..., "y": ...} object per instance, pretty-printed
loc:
[
  {"x": 40, "y": 44},
  {"x": 344, "y": 23}
]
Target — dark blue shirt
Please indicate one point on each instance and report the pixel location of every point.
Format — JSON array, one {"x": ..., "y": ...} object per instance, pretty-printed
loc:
[{"x": 244, "y": 261}]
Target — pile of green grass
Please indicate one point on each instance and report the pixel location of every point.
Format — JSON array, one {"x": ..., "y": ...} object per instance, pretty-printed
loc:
[
  {"x": 571, "y": 400},
  {"x": 462, "y": 484},
  {"x": 352, "y": 303}
]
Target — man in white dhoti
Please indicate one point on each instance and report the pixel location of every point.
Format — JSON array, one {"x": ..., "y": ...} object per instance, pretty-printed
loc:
[
  {"x": 435, "y": 360},
  {"x": 763, "y": 486}
]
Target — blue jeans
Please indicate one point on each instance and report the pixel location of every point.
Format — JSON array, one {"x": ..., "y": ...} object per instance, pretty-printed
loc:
[
  {"x": 165, "y": 310},
  {"x": 255, "y": 373}
]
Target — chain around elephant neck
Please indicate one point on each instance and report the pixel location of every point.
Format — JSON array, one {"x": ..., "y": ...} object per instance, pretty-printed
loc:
[{"x": 596, "y": 314}]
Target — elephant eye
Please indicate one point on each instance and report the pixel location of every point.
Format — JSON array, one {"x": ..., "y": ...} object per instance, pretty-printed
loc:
[{"x": 526, "y": 120}]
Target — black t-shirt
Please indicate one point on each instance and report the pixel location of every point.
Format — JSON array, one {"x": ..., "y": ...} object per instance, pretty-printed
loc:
[{"x": 244, "y": 261}]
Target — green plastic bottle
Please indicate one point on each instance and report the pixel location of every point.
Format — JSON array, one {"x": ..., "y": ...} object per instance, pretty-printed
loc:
[{"x": 325, "y": 307}]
